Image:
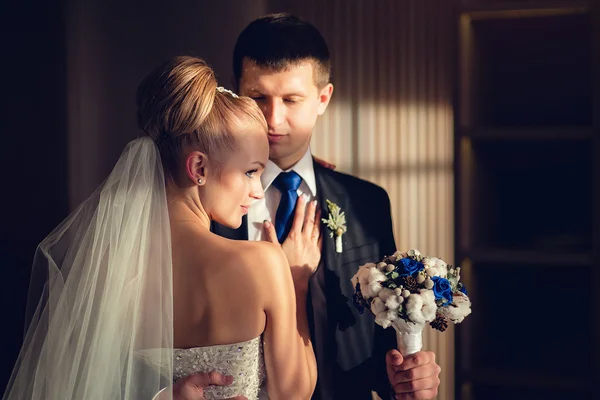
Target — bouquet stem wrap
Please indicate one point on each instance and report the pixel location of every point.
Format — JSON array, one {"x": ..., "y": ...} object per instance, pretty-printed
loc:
[{"x": 409, "y": 336}]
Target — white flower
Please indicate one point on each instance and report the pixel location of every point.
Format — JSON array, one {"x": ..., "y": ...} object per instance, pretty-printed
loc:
[
  {"x": 429, "y": 262},
  {"x": 373, "y": 286},
  {"x": 369, "y": 278},
  {"x": 381, "y": 266},
  {"x": 413, "y": 253},
  {"x": 392, "y": 315},
  {"x": 458, "y": 310},
  {"x": 385, "y": 294},
  {"x": 413, "y": 308},
  {"x": 421, "y": 307},
  {"x": 376, "y": 275},
  {"x": 392, "y": 302},
  {"x": 382, "y": 319},
  {"x": 429, "y": 307},
  {"x": 377, "y": 306},
  {"x": 405, "y": 293},
  {"x": 373, "y": 289},
  {"x": 428, "y": 284},
  {"x": 436, "y": 267},
  {"x": 362, "y": 277},
  {"x": 390, "y": 267}
]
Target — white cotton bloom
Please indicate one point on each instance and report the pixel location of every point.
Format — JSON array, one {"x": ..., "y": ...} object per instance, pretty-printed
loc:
[
  {"x": 413, "y": 308},
  {"x": 428, "y": 284},
  {"x": 362, "y": 275},
  {"x": 377, "y": 306},
  {"x": 373, "y": 289},
  {"x": 385, "y": 294},
  {"x": 369, "y": 278},
  {"x": 430, "y": 262},
  {"x": 392, "y": 302},
  {"x": 436, "y": 267},
  {"x": 421, "y": 307},
  {"x": 429, "y": 307},
  {"x": 376, "y": 275},
  {"x": 458, "y": 310},
  {"x": 413, "y": 253},
  {"x": 383, "y": 320},
  {"x": 392, "y": 315},
  {"x": 375, "y": 278}
]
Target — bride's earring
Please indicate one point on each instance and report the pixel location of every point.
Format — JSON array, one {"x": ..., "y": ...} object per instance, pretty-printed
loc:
[{"x": 199, "y": 181}]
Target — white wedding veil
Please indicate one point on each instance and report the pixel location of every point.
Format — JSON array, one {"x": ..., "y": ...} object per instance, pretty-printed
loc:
[{"x": 101, "y": 291}]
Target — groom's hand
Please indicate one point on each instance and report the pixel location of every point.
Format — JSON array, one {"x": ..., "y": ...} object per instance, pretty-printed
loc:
[
  {"x": 302, "y": 247},
  {"x": 416, "y": 377},
  {"x": 192, "y": 387}
]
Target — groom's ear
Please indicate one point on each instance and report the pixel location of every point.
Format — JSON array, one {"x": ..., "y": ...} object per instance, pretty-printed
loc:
[
  {"x": 324, "y": 98},
  {"x": 195, "y": 167}
]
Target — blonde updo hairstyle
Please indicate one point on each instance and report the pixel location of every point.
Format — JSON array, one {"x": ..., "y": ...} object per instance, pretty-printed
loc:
[{"x": 180, "y": 107}]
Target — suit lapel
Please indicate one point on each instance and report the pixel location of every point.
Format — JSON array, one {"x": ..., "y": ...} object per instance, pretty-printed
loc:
[
  {"x": 236, "y": 234},
  {"x": 329, "y": 189},
  {"x": 351, "y": 330}
]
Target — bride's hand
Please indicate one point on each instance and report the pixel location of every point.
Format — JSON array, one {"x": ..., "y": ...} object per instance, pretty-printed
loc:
[
  {"x": 192, "y": 387},
  {"x": 302, "y": 247}
]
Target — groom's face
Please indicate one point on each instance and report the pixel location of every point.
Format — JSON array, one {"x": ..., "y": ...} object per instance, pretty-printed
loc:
[{"x": 290, "y": 102}]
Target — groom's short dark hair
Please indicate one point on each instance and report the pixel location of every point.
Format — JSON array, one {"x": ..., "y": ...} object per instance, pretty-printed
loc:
[{"x": 277, "y": 41}]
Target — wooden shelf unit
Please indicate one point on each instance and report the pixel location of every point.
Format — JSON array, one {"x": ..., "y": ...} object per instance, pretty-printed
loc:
[{"x": 527, "y": 198}]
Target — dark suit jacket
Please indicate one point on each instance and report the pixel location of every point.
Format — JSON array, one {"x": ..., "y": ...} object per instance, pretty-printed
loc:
[{"x": 350, "y": 347}]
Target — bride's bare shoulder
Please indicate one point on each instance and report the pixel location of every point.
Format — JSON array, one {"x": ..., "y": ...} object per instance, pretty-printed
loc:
[
  {"x": 258, "y": 256},
  {"x": 253, "y": 252}
]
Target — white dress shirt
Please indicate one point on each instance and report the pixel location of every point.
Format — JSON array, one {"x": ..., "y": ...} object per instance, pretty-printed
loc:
[{"x": 266, "y": 208}]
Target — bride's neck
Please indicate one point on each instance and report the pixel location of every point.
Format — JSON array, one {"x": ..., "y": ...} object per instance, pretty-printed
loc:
[{"x": 185, "y": 206}]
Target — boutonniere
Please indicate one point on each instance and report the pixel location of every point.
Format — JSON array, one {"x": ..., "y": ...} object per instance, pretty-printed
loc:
[{"x": 336, "y": 224}]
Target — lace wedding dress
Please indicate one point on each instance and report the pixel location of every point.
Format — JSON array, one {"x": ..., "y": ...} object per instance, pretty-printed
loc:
[{"x": 244, "y": 361}]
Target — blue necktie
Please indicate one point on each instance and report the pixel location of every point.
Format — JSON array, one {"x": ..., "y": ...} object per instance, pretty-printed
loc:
[{"x": 288, "y": 184}]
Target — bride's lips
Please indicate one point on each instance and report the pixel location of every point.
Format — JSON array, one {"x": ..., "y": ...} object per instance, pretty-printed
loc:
[
  {"x": 245, "y": 209},
  {"x": 273, "y": 138}
]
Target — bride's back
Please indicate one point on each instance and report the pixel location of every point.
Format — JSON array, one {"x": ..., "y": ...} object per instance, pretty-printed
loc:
[
  {"x": 217, "y": 296},
  {"x": 213, "y": 145}
]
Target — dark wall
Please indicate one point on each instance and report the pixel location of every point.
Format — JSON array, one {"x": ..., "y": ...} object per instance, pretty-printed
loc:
[
  {"x": 69, "y": 70},
  {"x": 33, "y": 151}
]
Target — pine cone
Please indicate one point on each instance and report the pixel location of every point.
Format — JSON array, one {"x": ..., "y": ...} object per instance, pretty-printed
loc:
[
  {"x": 440, "y": 323},
  {"x": 410, "y": 284}
]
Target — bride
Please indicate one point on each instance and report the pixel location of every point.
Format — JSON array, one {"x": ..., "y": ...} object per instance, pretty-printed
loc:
[{"x": 132, "y": 292}]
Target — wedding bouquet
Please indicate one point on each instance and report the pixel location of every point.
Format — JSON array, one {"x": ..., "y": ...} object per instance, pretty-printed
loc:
[{"x": 407, "y": 291}]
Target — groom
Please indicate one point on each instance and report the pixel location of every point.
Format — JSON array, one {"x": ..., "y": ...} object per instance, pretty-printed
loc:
[{"x": 283, "y": 63}]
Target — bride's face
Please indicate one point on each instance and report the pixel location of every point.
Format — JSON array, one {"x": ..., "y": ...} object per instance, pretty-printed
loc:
[{"x": 235, "y": 184}]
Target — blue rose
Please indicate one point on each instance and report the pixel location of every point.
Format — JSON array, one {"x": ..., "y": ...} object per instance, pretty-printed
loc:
[
  {"x": 408, "y": 266},
  {"x": 463, "y": 289},
  {"x": 442, "y": 289}
]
